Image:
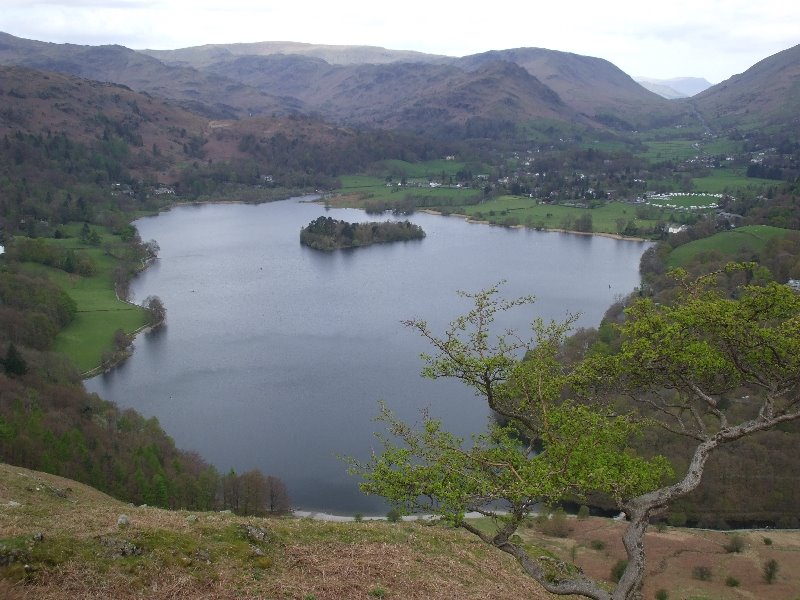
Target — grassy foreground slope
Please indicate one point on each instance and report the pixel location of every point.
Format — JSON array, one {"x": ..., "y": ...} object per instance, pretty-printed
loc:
[
  {"x": 67, "y": 534},
  {"x": 172, "y": 554}
]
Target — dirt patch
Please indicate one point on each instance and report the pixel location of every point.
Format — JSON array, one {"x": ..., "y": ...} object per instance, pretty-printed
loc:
[{"x": 676, "y": 557}]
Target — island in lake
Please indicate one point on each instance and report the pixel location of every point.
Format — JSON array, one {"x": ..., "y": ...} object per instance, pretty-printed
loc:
[{"x": 325, "y": 233}]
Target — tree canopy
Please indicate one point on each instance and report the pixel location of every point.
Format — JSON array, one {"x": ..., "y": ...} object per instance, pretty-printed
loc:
[{"x": 563, "y": 436}]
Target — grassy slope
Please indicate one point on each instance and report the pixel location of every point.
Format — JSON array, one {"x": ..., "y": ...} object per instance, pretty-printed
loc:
[
  {"x": 212, "y": 557},
  {"x": 749, "y": 239},
  {"x": 100, "y": 313}
]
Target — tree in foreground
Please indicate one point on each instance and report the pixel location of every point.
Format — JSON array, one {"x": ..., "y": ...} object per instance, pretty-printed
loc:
[{"x": 561, "y": 436}]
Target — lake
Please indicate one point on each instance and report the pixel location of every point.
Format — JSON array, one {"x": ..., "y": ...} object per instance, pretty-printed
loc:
[{"x": 275, "y": 356}]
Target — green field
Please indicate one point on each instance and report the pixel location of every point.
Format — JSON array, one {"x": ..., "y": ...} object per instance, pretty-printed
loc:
[
  {"x": 376, "y": 189},
  {"x": 747, "y": 240},
  {"x": 673, "y": 150},
  {"x": 430, "y": 168},
  {"x": 723, "y": 180},
  {"x": 515, "y": 210},
  {"x": 100, "y": 313}
]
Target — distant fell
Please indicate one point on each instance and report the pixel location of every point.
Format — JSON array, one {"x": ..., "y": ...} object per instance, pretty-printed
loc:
[
  {"x": 765, "y": 95},
  {"x": 210, "y": 94},
  {"x": 202, "y": 56},
  {"x": 591, "y": 86},
  {"x": 675, "y": 87}
]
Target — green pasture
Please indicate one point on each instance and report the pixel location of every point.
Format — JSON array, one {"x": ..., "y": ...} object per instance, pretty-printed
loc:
[
  {"x": 100, "y": 313},
  {"x": 526, "y": 211},
  {"x": 672, "y": 150},
  {"x": 374, "y": 188},
  {"x": 430, "y": 168},
  {"x": 741, "y": 242},
  {"x": 720, "y": 181},
  {"x": 722, "y": 146}
]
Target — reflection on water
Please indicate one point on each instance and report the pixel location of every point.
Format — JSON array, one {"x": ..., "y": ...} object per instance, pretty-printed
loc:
[{"x": 274, "y": 356}]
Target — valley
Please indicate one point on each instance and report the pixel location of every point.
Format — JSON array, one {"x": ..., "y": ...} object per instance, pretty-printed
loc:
[{"x": 111, "y": 162}]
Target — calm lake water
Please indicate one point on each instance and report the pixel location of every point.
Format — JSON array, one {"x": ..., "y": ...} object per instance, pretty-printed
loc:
[{"x": 275, "y": 356}]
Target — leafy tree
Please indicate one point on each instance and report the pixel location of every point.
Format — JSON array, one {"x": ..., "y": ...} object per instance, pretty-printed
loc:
[
  {"x": 677, "y": 361},
  {"x": 14, "y": 363},
  {"x": 157, "y": 312}
]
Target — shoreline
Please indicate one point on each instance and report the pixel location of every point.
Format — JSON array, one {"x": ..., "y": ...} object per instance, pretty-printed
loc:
[{"x": 468, "y": 219}]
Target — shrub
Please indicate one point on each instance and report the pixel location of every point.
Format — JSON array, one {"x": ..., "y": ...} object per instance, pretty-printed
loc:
[
  {"x": 377, "y": 592},
  {"x": 583, "y": 512},
  {"x": 770, "y": 570},
  {"x": 597, "y": 545},
  {"x": 358, "y": 517},
  {"x": 768, "y": 541},
  {"x": 735, "y": 544},
  {"x": 662, "y": 594},
  {"x": 556, "y": 525},
  {"x": 677, "y": 519},
  {"x": 393, "y": 516},
  {"x": 702, "y": 573},
  {"x": 731, "y": 581},
  {"x": 618, "y": 569}
]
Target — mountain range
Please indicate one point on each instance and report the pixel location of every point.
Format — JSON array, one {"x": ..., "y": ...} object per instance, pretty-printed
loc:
[
  {"x": 676, "y": 87},
  {"x": 472, "y": 96}
]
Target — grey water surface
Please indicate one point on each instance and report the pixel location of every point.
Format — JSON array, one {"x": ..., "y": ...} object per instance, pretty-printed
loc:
[{"x": 275, "y": 356}]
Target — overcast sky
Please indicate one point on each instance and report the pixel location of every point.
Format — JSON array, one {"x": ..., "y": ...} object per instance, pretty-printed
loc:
[{"x": 697, "y": 38}]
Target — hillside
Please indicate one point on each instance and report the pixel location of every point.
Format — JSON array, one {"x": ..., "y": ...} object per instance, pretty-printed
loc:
[
  {"x": 213, "y": 95},
  {"x": 203, "y": 56},
  {"x": 67, "y": 535},
  {"x": 39, "y": 103},
  {"x": 82, "y": 553},
  {"x": 364, "y": 85},
  {"x": 765, "y": 95},
  {"x": 591, "y": 86}
]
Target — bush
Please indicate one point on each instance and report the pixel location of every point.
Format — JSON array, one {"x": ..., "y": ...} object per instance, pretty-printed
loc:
[
  {"x": 770, "y": 570},
  {"x": 618, "y": 569},
  {"x": 662, "y": 594},
  {"x": 735, "y": 544},
  {"x": 702, "y": 573},
  {"x": 677, "y": 519},
  {"x": 731, "y": 581},
  {"x": 597, "y": 545},
  {"x": 583, "y": 512},
  {"x": 768, "y": 541},
  {"x": 393, "y": 516},
  {"x": 556, "y": 525},
  {"x": 377, "y": 592},
  {"x": 358, "y": 517}
]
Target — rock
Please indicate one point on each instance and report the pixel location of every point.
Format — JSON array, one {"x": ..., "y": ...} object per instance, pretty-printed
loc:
[
  {"x": 9, "y": 556},
  {"x": 123, "y": 521},
  {"x": 118, "y": 547},
  {"x": 255, "y": 534},
  {"x": 38, "y": 538},
  {"x": 202, "y": 555},
  {"x": 257, "y": 551},
  {"x": 192, "y": 518}
]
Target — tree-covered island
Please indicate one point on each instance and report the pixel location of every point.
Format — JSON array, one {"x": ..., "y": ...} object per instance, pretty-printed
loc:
[{"x": 325, "y": 233}]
